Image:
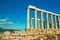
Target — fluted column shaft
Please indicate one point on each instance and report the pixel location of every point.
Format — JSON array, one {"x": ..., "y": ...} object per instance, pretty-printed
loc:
[
  {"x": 51, "y": 21},
  {"x": 41, "y": 20},
  {"x": 27, "y": 25},
  {"x": 38, "y": 24},
  {"x": 35, "y": 19},
  {"x": 55, "y": 22},
  {"x": 30, "y": 23},
  {"x": 47, "y": 24},
  {"x": 59, "y": 21}
]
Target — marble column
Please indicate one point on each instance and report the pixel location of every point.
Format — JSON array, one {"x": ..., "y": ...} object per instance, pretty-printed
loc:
[
  {"x": 28, "y": 21},
  {"x": 42, "y": 20},
  {"x": 55, "y": 22},
  {"x": 38, "y": 24},
  {"x": 59, "y": 21},
  {"x": 47, "y": 24},
  {"x": 35, "y": 19},
  {"x": 51, "y": 21}
]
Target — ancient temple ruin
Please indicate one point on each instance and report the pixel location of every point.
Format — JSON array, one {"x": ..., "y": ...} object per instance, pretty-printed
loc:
[{"x": 44, "y": 29}]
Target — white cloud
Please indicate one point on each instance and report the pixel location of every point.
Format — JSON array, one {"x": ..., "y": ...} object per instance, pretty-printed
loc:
[
  {"x": 8, "y": 22},
  {"x": 3, "y": 20}
]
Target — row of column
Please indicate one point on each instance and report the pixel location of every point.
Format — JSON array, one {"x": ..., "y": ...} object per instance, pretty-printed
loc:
[
  {"x": 31, "y": 23},
  {"x": 41, "y": 19}
]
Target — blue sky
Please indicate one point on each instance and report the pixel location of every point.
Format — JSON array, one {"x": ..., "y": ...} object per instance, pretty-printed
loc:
[{"x": 15, "y": 10}]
